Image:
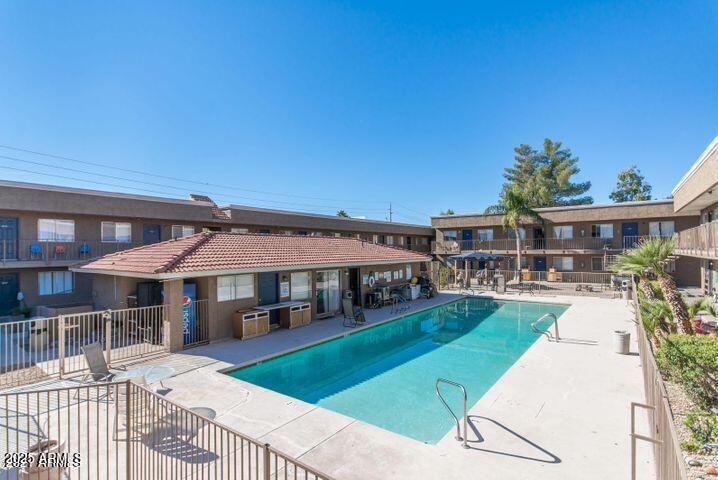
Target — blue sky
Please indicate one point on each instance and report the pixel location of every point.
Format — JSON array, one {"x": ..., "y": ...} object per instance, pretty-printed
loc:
[{"x": 353, "y": 104}]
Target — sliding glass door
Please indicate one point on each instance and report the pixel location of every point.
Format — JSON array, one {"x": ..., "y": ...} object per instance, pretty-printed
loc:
[{"x": 328, "y": 293}]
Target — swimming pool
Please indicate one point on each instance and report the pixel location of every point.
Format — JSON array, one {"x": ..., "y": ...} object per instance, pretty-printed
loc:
[{"x": 385, "y": 375}]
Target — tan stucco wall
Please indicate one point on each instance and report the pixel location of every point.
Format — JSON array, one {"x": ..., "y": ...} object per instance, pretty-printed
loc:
[
  {"x": 29, "y": 286},
  {"x": 692, "y": 193}
]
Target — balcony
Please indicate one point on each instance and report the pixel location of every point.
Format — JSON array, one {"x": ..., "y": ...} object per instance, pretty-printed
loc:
[
  {"x": 33, "y": 253},
  {"x": 507, "y": 245},
  {"x": 700, "y": 241},
  {"x": 417, "y": 247}
]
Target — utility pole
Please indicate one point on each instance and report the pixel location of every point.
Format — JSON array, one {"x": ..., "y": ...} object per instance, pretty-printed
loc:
[{"x": 390, "y": 212}]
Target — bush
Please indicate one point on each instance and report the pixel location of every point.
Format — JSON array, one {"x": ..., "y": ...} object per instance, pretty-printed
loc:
[
  {"x": 703, "y": 427},
  {"x": 692, "y": 361}
]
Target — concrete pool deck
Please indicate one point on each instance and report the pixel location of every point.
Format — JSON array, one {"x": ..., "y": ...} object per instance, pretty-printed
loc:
[{"x": 561, "y": 411}]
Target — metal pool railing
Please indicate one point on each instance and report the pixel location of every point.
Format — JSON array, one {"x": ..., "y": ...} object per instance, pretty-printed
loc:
[
  {"x": 125, "y": 431},
  {"x": 33, "y": 350}
]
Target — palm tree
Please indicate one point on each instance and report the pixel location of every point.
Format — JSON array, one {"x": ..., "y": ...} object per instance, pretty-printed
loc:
[
  {"x": 654, "y": 255},
  {"x": 517, "y": 208},
  {"x": 637, "y": 264},
  {"x": 656, "y": 320}
]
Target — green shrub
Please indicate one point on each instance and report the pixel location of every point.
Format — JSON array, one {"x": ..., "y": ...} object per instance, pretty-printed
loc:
[
  {"x": 690, "y": 446},
  {"x": 703, "y": 427},
  {"x": 692, "y": 361}
]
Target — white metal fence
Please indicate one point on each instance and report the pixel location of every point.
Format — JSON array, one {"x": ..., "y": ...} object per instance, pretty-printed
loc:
[
  {"x": 31, "y": 350},
  {"x": 124, "y": 431},
  {"x": 567, "y": 283}
]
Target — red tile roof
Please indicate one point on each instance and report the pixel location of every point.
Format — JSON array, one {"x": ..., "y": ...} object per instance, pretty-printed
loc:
[{"x": 222, "y": 251}]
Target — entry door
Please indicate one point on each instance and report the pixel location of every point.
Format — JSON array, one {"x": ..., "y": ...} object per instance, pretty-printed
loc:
[
  {"x": 540, "y": 264},
  {"x": 151, "y": 233},
  {"x": 269, "y": 293},
  {"x": 629, "y": 233},
  {"x": 539, "y": 236},
  {"x": 8, "y": 292},
  {"x": 354, "y": 285},
  {"x": 8, "y": 238},
  {"x": 466, "y": 239}
]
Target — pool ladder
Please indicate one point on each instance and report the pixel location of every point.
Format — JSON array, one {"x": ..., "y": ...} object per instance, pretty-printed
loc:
[
  {"x": 451, "y": 412},
  {"x": 546, "y": 332}
]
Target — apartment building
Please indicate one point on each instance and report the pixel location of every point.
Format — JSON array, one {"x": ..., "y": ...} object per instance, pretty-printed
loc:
[
  {"x": 697, "y": 194},
  {"x": 45, "y": 229},
  {"x": 572, "y": 239}
]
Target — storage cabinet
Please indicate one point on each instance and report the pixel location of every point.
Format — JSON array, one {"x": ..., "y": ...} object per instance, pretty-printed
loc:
[
  {"x": 295, "y": 316},
  {"x": 250, "y": 323}
]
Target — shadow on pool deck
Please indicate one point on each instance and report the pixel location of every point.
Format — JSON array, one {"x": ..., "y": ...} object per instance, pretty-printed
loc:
[{"x": 473, "y": 420}]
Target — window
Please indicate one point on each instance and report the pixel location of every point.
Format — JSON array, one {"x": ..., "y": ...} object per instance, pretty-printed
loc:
[
  {"x": 301, "y": 285},
  {"x": 408, "y": 272},
  {"x": 563, "y": 264},
  {"x": 563, "y": 231},
  {"x": 522, "y": 233},
  {"x": 181, "y": 231},
  {"x": 234, "y": 287},
  {"x": 450, "y": 235},
  {"x": 116, "y": 232},
  {"x": 597, "y": 264},
  {"x": 264, "y": 231},
  {"x": 52, "y": 230},
  {"x": 302, "y": 233},
  {"x": 602, "y": 230},
  {"x": 486, "y": 234},
  {"x": 240, "y": 230},
  {"x": 55, "y": 283},
  {"x": 662, "y": 229}
]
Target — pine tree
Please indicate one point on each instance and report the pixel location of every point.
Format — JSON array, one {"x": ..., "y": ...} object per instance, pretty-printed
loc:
[
  {"x": 544, "y": 177},
  {"x": 631, "y": 186}
]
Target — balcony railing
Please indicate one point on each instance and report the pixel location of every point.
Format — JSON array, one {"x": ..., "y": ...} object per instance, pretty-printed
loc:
[
  {"x": 632, "y": 241},
  {"x": 508, "y": 245},
  {"x": 57, "y": 251},
  {"x": 700, "y": 241},
  {"x": 417, "y": 247}
]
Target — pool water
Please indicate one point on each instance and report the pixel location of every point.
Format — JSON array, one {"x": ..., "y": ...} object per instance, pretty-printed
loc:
[{"x": 385, "y": 375}]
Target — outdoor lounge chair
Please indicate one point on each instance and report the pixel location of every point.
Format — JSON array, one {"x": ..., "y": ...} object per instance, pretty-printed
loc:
[
  {"x": 521, "y": 286},
  {"x": 95, "y": 358},
  {"x": 353, "y": 315}
]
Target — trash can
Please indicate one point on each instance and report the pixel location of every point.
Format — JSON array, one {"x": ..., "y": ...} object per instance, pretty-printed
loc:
[
  {"x": 39, "y": 335},
  {"x": 500, "y": 283},
  {"x": 415, "y": 291},
  {"x": 621, "y": 342}
]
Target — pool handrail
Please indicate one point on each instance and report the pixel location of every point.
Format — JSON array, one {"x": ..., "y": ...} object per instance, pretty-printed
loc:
[
  {"x": 451, "y": 412},
  {"x": 546, "y": 332}
]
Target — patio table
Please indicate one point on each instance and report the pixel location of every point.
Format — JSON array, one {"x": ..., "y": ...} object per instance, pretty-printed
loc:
[
  {"x": 152, "y": 373},
  {"x": 189, "y": 425}
]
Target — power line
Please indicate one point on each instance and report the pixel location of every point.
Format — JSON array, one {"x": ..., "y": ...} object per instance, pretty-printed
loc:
[
  {"x": 215, "y": 194},
  {"x": 412, "y": 210},
  {"x": 178, "y": 179},
  {"x": 95, "y": 182}
]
